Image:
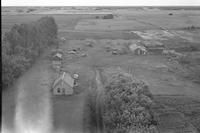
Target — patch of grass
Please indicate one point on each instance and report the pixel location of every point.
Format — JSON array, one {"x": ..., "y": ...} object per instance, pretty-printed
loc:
[
  {"x": 90, "y": 123},
  {"x": 189, "y": 107}
]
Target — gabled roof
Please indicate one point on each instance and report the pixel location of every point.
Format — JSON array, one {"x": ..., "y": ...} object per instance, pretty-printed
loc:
[
  {"x": 153, "y": 44},
  {"x": 142, "y": 48},
  {"x": 64, "y": 78},
  {"x": 133, "y": 47}
]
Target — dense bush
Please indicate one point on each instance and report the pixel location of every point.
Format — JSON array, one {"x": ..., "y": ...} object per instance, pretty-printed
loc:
[
  {"x": 23, "y": 44},
  {"x": 126, "y": 105}
]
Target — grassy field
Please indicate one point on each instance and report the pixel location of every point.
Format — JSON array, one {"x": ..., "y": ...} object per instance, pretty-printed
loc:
[{"x": 172, "y": 82}]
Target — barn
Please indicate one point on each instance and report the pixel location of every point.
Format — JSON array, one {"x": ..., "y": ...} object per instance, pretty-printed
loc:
[
  {"x": 154, "y": 47},
  {"x": 63, "y": 85},
  {"x": 140, "y": 51},
  {"x": 137, "y": 49}
]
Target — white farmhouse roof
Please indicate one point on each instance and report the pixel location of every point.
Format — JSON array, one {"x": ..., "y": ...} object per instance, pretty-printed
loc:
[{"x": 64, "y": 78}]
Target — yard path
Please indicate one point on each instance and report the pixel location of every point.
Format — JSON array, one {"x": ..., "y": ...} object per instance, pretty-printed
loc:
[{"x": 33, "y": 111}]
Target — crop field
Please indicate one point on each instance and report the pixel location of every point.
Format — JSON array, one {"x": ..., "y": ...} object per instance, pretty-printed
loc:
[{"x": 93, "y": 42}]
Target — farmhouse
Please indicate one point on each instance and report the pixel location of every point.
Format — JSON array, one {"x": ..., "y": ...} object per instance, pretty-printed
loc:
[
  {"x": 141, "y": 51},
  {"x": 63, "y": 85}
]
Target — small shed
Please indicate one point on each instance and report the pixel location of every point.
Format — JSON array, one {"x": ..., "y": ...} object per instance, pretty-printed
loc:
[
  {"x": 63, "y": 39},
  {"x": 140, "y": 51},
  {"x": 57, "y": 56},
  {"x": 63, "y": 85},
  {"x": 137, "y": 49}
]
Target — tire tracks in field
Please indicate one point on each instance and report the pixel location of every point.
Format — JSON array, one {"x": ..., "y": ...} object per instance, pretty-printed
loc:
[
  {"x": 147, "y": 23},
  {"x": 99, "y": 111}
]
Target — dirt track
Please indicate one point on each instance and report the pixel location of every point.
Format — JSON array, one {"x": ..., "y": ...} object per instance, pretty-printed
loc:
[{"x": 99, "y": 90}]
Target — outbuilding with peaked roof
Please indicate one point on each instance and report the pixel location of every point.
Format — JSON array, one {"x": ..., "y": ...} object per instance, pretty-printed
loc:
[{"x": 137, "y": 49}]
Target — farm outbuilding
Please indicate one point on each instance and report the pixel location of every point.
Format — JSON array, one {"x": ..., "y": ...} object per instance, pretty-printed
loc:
[
  {"x": 141, "y": 51},
  {"x": 63, "y": 85},
  {"x": 137, "y": 49},
  {"x": 154, "y": 47},
  {"x": 63, "y": 39},
  {"x": 57, "y": 56}
]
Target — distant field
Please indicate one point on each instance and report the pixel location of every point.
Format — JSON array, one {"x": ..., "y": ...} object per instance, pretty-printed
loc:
[
  {"x": 169, "y": 22},
  {"x": 134, "y": 18},
  {"x": 143, "y": 20},
  {"x": 64, "y": 21},
  {"x": 111, "y": 24}
]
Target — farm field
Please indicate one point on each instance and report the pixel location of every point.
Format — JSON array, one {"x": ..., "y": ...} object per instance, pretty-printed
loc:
[{"x": 174, "y": 82}]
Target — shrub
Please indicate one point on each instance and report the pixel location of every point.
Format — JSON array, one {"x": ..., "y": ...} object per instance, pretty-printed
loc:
[
  {"x": 192, "y": 27},
  {"x": 184, "y": 60},
  {"x": 194, "y": 48},
  {"x": 126, "y": 105},
  {"x": 97, "y": 17}
]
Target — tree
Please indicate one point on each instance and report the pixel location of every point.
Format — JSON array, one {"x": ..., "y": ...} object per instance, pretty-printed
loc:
[
  {"x": 126, "y": 104},
  {"x": 22, "y": 44}
]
